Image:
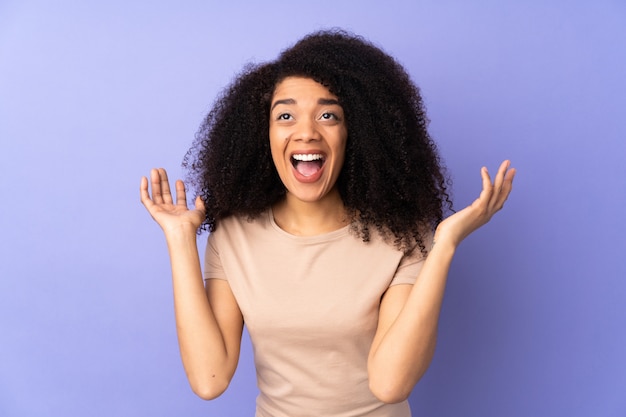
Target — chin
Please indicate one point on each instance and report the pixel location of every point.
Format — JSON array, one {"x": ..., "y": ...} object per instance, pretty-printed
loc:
[{"x": 311, "y": 195}]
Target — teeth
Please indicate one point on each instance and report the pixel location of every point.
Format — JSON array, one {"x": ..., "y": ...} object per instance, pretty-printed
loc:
[{"x": 307, "y": 157}]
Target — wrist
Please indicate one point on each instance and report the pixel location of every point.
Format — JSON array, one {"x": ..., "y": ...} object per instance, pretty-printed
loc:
[
  {"x": 442, "y": 243},
  {"x": 182, "y": 231}
]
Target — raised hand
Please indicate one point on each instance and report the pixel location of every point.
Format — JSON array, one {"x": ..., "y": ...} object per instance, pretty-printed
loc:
[
  {"x": 458, "y": 226},
  {"x": 168, "y": 214}
]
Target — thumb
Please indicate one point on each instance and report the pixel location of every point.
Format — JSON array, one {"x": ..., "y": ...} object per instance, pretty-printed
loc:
[{"x": 199, "y": 204}]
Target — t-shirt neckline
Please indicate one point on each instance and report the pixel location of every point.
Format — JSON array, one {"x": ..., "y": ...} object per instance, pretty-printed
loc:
[{"x": 307, "y": 239}]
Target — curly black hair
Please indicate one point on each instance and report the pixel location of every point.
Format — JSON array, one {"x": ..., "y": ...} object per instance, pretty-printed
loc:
[{"x": 392, "y": 180}]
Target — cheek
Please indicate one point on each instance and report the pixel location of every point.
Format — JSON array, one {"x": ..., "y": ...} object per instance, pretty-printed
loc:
[
  {"x": 275, "y": 156},
  {"x": 341, "y": 145},
  {"x": 277, "y": 149},
  {"x": 274, "y": 143}
]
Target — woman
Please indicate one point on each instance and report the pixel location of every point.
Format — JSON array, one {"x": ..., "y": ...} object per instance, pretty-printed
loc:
[{"x": 324, "y": 195}]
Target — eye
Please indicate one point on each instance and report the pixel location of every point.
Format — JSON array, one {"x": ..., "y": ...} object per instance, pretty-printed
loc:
[
  {"x": 284, "y": 116},
  {"x": 329, "y": 116}
]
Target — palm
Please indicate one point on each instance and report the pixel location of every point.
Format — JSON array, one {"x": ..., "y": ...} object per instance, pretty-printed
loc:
[{"x": 166, "y": 211}]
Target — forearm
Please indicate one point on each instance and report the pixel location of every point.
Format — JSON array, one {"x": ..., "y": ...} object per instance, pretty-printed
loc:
[
  {"x": 202, "y": 346},
  {"x": 404, "y": 352}
]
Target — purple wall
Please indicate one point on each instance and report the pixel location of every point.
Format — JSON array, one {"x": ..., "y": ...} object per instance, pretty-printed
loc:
[{"x": 92, "y": 97}]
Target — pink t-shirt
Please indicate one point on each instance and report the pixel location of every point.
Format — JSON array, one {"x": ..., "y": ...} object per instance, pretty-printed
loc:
[{"x": 310, "y": 304}]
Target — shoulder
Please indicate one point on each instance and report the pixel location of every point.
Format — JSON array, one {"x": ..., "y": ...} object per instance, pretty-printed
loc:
[
  {"x": 238, "y": 231},
  {"x": 241, "y": 223}
]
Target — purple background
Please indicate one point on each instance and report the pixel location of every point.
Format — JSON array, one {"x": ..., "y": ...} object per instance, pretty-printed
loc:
[{"x": 94, "y": 95}]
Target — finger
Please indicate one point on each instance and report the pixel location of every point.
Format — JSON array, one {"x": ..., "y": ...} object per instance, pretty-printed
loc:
[
  {"x": 155, "y": 181},
  {"x": 165, "y": 187},
  {"x": 505, "y": 191},
  {"x": 507, "y": 186},
  {"x": 497, "y": 186},
  {"x": 510, "y": 175},
  {"x": 144, "y": 194},
  {"x": 181, "y": 195},
  {"x": 487, "y": 191},
  {"x": 504, "y": 166},
  {"x": 200, "y": 204}
]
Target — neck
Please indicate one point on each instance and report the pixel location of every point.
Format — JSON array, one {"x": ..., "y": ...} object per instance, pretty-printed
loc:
[{"x": 305, "y": 218}]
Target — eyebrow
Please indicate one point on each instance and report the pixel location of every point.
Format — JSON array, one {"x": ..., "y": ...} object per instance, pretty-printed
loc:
[{"x": 322, "y": 101}]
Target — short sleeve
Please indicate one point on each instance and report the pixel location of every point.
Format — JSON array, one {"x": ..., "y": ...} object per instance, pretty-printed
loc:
[
  {"x": 410, "y": 266},
  {"x": 212, "y": 264}
]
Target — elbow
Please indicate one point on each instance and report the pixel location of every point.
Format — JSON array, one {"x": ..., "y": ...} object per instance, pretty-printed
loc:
[
  {"x": 394, "y": 383},
  {"x": 207, "y": 393},
  {"x": 209, "y": 390},
  {"x": 394, "y": 387},
  {"x": 389, "y": 393}
]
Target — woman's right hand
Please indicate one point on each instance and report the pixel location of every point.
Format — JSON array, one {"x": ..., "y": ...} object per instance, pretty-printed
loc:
[{"x": 170, "y": 215}]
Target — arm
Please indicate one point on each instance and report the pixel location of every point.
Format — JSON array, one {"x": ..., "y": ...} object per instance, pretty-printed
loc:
[
  {"x": 208, "y": 321},
  {"x": 406, "y": 336}
]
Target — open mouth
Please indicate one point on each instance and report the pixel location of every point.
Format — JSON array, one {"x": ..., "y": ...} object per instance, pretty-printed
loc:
[{"x": 308, "y": 164}]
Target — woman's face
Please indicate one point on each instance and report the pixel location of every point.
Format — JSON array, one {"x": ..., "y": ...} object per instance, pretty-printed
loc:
[{"x": 307, "y": 138}]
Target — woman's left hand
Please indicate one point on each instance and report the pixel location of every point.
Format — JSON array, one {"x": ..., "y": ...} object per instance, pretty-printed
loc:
[{"x": 462, "y": 223}]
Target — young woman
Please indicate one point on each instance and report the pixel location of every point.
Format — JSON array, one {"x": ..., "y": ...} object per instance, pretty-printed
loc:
[{"x": 324, "y": 195}]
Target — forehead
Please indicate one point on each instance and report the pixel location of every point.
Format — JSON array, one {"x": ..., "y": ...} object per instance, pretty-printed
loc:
[{"x": 292, "y": 87}]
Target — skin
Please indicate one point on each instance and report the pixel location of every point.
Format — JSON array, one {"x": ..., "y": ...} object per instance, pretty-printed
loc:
[
  {"x": 306, "y": 119},
  {"x": 209, "y": 322}
]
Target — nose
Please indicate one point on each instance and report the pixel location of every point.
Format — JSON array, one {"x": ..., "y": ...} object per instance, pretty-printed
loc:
[{"x": 306, "y": 130}]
